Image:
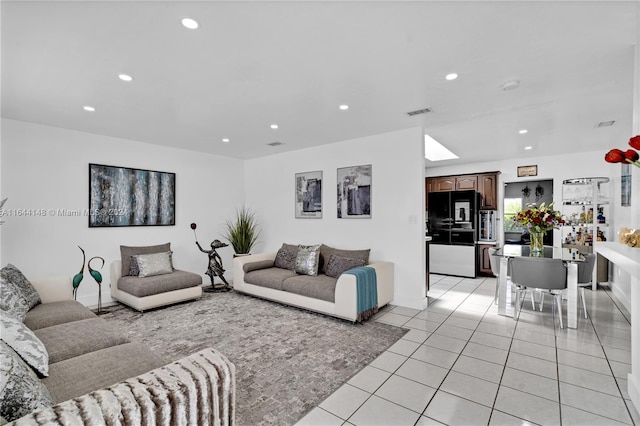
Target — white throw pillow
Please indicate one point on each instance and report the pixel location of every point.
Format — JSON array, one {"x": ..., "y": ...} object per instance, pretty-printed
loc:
[
  {"x": 307, "y": 260},
  {"x": 154, "y": 264},
  {"x": 26, "y": 344}
]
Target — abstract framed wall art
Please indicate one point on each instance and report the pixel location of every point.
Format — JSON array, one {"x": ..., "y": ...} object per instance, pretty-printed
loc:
[
  {"x": 354, "y": 192},
  {"x": 309, "y": 195},
  {"x": 122, "y": 196}
]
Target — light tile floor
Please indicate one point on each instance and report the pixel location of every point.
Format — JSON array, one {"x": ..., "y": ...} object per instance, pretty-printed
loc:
[{"x": 463, "y": 364}]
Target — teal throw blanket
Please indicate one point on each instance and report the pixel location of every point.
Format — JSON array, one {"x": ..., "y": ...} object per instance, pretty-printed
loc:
[{"x": 367, "y": 290}]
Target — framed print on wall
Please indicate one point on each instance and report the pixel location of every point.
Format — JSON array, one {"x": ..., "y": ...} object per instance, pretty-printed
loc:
[
  {"x": 354, "y": 192},
  {"x": 309, "y": 195},
  {"x": 122, "y": 196}
]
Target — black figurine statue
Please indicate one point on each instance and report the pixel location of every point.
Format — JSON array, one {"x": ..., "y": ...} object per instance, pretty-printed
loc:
[{"x": 214, "y": 269}]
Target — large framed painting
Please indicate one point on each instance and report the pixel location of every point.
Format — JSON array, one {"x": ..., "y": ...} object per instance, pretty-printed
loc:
[
  {"x": 309, "y": 195},
  {"x": 354, "y": 192},
  {"x": 122, "y": 196}
]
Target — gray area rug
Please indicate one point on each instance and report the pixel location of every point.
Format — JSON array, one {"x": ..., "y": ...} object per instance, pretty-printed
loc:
[{"x": 287, "y": 360}]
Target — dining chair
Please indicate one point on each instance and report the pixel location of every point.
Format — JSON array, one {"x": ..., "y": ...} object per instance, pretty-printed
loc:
[
  {"x": 585, "y": 275},
  {"x": 539, "y": 273}
]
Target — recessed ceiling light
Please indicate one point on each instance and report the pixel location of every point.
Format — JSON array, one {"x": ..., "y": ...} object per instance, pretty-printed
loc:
[
  {"x": 344, "y": 107},
  {"x": 190, "y": 23},
  {"x": 528, "y": 148},
  {"x": 274, "y": 126},
  {"x": 225, "y": 140},
  {"x": 435, "y": 151},
  {"x": 125, "y": 77},
  {"x": 451, "y": 76},
  {"x": 523, "y": 131},
  {"x": 88, "y": 108}
]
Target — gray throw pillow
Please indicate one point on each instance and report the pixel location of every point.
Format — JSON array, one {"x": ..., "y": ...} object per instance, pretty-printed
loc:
[
  {"x": 326, "y": 252},
  {"x": 16, "y": 278},
  {"x": 150, "y": 265},
  {"x": 134, "y": 271},
  {"x": 339, "y": 264},
  {"x": 12, "y": 301},
  {"x": 21, "y": 392},
  {"x": 307, "y": 260},
  {"x": 22, "y": 340},
  {"x": 286, "y": 259}
]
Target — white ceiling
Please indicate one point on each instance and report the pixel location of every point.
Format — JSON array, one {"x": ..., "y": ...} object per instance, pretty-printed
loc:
[{"x": 251, "y": 64}]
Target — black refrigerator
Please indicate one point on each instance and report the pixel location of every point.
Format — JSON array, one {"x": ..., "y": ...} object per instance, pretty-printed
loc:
[
  {"x": 453, "y": 217},
  {"x": 453, "y": 226}
]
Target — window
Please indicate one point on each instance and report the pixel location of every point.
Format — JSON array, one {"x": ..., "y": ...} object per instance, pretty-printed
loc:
[{"x": 511, "y": 207}]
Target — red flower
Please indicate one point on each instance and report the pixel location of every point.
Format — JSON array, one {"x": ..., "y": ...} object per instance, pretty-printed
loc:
[
  {"x": 537, "y": 220},
  {"x": 614, "y": 156},
  {"x": 632, "y": 155},
  {"x": 635, "y": 142}
]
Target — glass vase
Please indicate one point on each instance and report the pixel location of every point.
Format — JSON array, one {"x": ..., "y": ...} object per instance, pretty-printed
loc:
[{"x": 536, "y": 243}]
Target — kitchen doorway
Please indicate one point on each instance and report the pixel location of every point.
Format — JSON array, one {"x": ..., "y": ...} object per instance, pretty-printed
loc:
[{"x": 517, "y": 195}]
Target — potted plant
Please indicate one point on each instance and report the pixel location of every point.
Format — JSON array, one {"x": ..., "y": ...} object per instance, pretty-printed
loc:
[{"x": 242, "y": 233}]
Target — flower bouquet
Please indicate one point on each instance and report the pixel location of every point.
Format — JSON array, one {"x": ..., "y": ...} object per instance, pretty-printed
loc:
[{"x": 538, "y": 220}]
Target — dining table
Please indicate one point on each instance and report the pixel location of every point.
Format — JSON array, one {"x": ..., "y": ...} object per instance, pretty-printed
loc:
[{"x": 570, "y": 256}]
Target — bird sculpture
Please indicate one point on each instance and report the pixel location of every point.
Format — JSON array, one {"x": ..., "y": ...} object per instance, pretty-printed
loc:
[
  {"x": 77, "y": 279},
  {"x": 98, "y": 277}
]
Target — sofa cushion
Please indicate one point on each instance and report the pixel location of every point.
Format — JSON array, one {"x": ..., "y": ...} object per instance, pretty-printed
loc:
[
  {"x": 286, "y": 259},
  {"x": 254, "y": 266},
  {"x": 127, "y": 251},
  {"x": 64, "y": 341},
  {"x": 21, "y": 392},
  {"x": 16, "y": 278},
  {"x": 307, "y": 260},
  {"x": 11, "y": 300},
  {"x": 319, "y": 287},
  {"x": 326, "y": 252},
  {"x": 153, "y": 264},
  {"x": 148, "y": 286},
  {"x": 54, "y": 313},
  {"x": 95, "y": 370},
  {"x": 271, "y": 278},
  {"x": 338, "y": 264},
  {"x": 22, "y": 340}
]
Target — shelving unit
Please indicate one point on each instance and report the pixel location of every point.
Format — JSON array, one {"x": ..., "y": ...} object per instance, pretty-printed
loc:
[{"x": 585, "y": 210}]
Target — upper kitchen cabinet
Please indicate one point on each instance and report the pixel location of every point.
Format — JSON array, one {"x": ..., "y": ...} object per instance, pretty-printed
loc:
[
  {"x": 488, "y": 187},
  {"x": 467, "y": 182},
  {"x": 443, "y": 184},
  {"x": 485, "y": 183}
]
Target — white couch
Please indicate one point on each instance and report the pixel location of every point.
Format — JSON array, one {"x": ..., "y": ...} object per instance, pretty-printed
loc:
[{"x": 345, "y": 292}]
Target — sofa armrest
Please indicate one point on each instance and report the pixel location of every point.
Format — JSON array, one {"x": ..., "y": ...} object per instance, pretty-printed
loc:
[
  {"x": 196, "y": 390},
  {"x": 240, "y": 261},
  {"x": 54, "y": 289},
  {"x": 346, "y": 289}
]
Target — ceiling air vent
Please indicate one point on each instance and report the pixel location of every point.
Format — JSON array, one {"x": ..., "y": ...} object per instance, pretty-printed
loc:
[
  {"x": 275, "y": 143},
  {"x": 419, "y": 111},
  {"x": 605, "y": 123}
]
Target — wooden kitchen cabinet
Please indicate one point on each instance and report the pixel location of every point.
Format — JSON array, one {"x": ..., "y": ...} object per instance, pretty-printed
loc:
[
  {"x": 466, "y": 182},
  {"x": 485, "y": 183},
  {"x": 484, "y": 261},
  {"x": 488, "y": 187},
  {"x": 446, "y": 183}
]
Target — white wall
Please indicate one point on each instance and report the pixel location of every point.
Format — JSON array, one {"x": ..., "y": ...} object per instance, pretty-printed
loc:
[
  {"x": 47, "y": 168},
  {"x": 559, "y": 168},
  {"x": 394, "y": 233}
]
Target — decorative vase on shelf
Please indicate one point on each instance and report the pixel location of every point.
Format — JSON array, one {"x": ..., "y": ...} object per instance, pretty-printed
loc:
[{"x": 536, "y": 243}]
